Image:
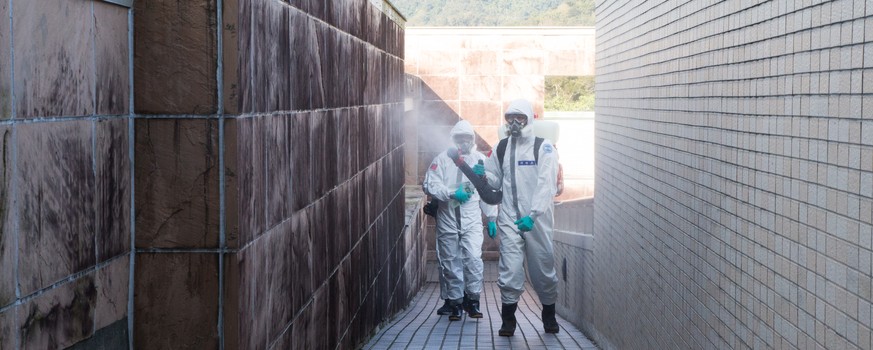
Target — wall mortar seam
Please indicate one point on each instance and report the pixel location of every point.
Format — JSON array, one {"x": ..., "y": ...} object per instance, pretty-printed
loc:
[
  {"x": 12, "y": 59},
  {"x": 185, "y": 250},
  {"x": 131, "y": 135},
  {"x": 61, "y": 119},
  {"x": 282, "y": 113},
  {"x": 58, "y": 283},
  {"x": 16, "y": 231},
  {"x": 222, "y": 231},
  {"x": 93, "y": 21},
  {"x": 94, "y": 205}
]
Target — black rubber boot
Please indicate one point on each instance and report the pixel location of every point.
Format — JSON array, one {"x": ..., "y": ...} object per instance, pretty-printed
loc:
[
  {"x": 472, "y": 307},
  {"x": 508, "y": 315},
  {"x": 550, "y": 324},
  {"x": 445, "y": 309},
  {"x": 457, "y": 311}
]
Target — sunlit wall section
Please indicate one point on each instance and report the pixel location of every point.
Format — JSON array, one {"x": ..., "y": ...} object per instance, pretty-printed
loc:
[{"x": 734, "y": 171}]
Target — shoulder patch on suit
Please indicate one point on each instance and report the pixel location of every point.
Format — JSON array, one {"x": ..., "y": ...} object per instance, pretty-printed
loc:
[
  {"x": 547, "y": 148},
  {"x": 433, "y": 166}
]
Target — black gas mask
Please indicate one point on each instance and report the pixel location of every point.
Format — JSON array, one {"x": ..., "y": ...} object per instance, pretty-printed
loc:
[
  {"x": 515, "y": 123},
  {"x": 464, "y": 143}
]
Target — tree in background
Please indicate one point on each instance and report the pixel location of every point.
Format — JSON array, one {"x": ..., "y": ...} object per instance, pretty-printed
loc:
[
  {"x": 567, "y": 94},
  {"x": 464, "y": 13},
  {"x": 568, "y": 13}
]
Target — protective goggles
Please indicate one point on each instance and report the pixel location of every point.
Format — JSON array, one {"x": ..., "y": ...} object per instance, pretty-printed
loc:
[{"x": 518, "y": 118}]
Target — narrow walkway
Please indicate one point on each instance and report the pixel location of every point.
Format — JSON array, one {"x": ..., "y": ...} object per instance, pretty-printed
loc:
[{"x": 419, "y": 327}]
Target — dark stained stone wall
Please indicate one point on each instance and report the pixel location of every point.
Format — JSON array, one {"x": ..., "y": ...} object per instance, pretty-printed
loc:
[
  {"x": 53, "y": 53},
  {"x": 55, "y": 184},
  {"x": 182, "y": 212},
  {"x": 6, "y": 67},
  {"x": 324, "y": 253},
  {"x": 304, "y": 229},
  {"x": 8, "y": 271},
  {"x": 174, "y": 57},
  {"x": 180, "y": 245},
  {"x": 112, "y": 182},
  {"x": 176, "y": 297},
  {"x": 267, "y": 175},
  {"x": 64, "y": 171}
]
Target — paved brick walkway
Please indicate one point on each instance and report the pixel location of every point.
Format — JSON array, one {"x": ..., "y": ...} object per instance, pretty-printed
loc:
[{"x": 419, "y": 327}]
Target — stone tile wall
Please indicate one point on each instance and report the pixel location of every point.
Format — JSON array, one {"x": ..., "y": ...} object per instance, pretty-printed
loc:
[
  {"x": 473, "y": 73},
  {"x": 734, "y": 175},
  {"x": 65, "y": 174},
  {"x": 179, "y": 238},
  {"x": 270, "y": 196}
]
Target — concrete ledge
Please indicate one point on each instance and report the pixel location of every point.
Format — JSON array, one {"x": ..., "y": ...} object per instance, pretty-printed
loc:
[
  {"x": 414, "y": 202},
  {"x": 575, "y": 215},
  {"x": 575, "y": 239}
]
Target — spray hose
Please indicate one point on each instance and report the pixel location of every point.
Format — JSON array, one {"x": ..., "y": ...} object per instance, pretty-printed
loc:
[{"x": 487, "y": 193}]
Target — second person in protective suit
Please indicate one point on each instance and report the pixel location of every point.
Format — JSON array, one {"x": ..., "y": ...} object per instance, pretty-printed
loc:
[{"x": 459, "y": 226}]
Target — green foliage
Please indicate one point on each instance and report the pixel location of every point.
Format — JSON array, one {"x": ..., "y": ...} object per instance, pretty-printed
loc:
[
  {"x": 569, "y": 93},
  {"x": 454, "y": 13},
  {"x": 569, "y": 13}
]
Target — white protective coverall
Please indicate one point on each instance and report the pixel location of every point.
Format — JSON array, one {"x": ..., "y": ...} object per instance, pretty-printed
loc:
[
  {"x": 529, "y": 188},
  {"x": 459, "y": 227}
]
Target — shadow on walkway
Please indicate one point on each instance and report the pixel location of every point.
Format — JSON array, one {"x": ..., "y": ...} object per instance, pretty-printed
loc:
[{"x": 419, "y": 327}]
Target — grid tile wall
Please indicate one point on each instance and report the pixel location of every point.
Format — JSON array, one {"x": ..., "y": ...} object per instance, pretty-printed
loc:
[{"x": 734, "y": 174}]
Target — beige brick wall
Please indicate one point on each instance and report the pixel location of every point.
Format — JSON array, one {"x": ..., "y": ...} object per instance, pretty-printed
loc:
[
  {"x": 734, "y": 174},
  {"x": 473, "y": 73}
]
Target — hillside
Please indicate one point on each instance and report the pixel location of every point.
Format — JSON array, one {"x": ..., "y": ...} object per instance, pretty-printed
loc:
[{"x": 454, "y": 13}]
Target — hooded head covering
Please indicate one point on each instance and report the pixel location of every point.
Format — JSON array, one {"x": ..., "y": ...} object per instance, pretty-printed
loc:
[
  {"x": 522, "y": 106},
  {"x": 463, "y": 128}
]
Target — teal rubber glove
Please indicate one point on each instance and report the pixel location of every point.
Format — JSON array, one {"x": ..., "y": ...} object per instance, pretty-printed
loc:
[
  {"x": 492, "y": 229},
  {"x": 479, "y": 169},
  {"x": 525, "y": 224},
  {"x": 461, "y": 195}
]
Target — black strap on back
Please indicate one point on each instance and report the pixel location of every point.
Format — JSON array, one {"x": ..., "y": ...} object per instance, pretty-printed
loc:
[{"x": 501, "y": 149}]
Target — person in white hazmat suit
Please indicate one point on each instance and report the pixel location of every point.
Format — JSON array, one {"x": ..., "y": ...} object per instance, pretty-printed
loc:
[
  {"x": 459, "y": 226},
  {"x": 525, "y": 221}
]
